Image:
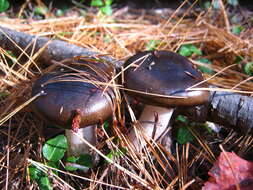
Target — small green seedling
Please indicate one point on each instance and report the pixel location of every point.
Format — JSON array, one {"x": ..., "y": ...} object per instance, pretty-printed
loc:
[
  {"x": 203, "y": 68},
  {"x": 59, "y": 12},
  {"x": 113, "y": 154},
  {"x": 55, "y": 148},
  {"x": 152, "y": 44},
  {"x": 183, "y": 134},
  {"x": 4, "y": 5},
  {"x": 4, "y": 94},
  {"x": 236, "y": 30},
  {"x": 103, "y": 5},
  {"x": 83, "y": 162},
  {"x": 216, "y": 3},
  {"x": 233, "y": 2},
  {"x": 188, "y": 50},
  {"x": 54, "y": 151},
  {"x": 40, "y": 177},
  {"x": 40, "y": 10},
  {"x": 248, "y": 68}
]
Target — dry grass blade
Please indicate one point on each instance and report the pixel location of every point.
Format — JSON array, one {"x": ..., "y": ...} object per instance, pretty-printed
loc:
[{"x": 119, "y": 36}]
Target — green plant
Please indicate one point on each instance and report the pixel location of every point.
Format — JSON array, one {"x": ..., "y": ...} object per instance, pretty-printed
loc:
[
  {"x": 82, "y": 162},
  {"x": 237, "y": 29},
  {"x": 103, "y": 5},
  {"x": 183, "y": 134},
  {"x": 40, "y": 177},
  {"x": 188, "y": 49},
  {"x": 233, "y": 2},
  {"x": 4, "y": 94},
  {"x": 152, "y": 44},
  {"x": 55, "y": 148},
  {"x": 113, "y": 154},
  {"x": 4, "y": 5},
  {"x": 53, "y": 151},
  {"x": 248, "y": 68},
  {"x": 40, "y": 10},
  {"x": 216, "y": 3},
  {"x": 203, "y": 68}
]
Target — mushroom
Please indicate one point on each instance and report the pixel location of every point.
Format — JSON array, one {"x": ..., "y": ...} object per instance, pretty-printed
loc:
[
  {"x": 75, "y": 99},
  {"x": 161, "y": 80}
]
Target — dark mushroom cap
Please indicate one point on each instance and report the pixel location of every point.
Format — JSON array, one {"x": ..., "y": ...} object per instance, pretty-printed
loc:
[
  {"x": 163, "y": 73},
  {"x": 66, "y": 92}
]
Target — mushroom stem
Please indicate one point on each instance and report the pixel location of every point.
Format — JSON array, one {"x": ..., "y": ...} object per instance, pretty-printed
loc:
[
  {"x": 76, "y": 146},
  {"x": 154, "y": 122}
]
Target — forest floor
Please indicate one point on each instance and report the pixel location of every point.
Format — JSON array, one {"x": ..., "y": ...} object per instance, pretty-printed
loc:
[{"x": 218, "y": 40}]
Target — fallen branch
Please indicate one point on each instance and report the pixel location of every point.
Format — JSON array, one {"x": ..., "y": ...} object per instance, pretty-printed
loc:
[
  {"x": 57, "y": 50},
  {"x": 225, "y": 108}
]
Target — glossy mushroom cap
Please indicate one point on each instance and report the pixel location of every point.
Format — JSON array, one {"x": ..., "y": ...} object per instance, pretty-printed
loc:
[
  {"x": 68, "y": 90},
  {"x": 153, "y": 75}
]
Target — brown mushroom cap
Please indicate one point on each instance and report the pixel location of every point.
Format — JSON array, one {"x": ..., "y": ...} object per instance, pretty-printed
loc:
[
  {"x": 157, "y": 74},
  {"x": 65, "y": 94}
]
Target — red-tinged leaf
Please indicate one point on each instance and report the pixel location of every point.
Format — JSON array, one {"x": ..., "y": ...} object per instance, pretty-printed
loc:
[{"x": 229, "y": 172}]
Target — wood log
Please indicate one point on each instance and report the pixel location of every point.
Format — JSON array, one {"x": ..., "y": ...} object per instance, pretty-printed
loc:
[
  {"x": 56, "y": 50},
  {"x": 225, "y": 108}
]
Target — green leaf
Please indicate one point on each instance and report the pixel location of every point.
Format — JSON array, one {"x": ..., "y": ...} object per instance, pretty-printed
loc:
[
  {"x": 233, "y": 2},
  {"x": 216, "y": 4},
  {"x": 108, "y": 2},
  {"x": 188, "y": 49},
  {"x": 195, "y": 50},
  {"x": 59, "y": 12},
  {"x": 207, "y": 4},
  {"x": 55, "y": 148},
  {"x": 71, "y": 159},
  {"x": 107, "y": 38},
  {"x": 238, "y": 59},
  {"x": 106, "y": 126},
  {"x": 107, "y": 10},
  {"x": 53, "y": 165},
  {"x": 248, "y": 68},
  {"x": 40, "y": 10},
  {"x": 203, "y": 68},
  {"x": 185, "y": 51},
  {"x": 184, "y": 135},
  {"x": 4, "y": 5},
  {"x": 44, "y": 183},
  {"x": 237, "y": 29},
  {"x": 152, "y": 44},
  {"x": 116, "y": 153},
  {"x": 182, "y": 118},
  {"x": 4, "y": 94},
  {"x": 97, "y": 3},
  {"x": 85, "y": 160},
  {"x": 35, "y": 173},
  {"x": 40, "y": 177}
]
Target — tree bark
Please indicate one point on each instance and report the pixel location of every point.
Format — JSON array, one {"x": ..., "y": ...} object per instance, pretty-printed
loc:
[
  {"x": 225, "y": 108},
  {"x": 56, "y": 50}
]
